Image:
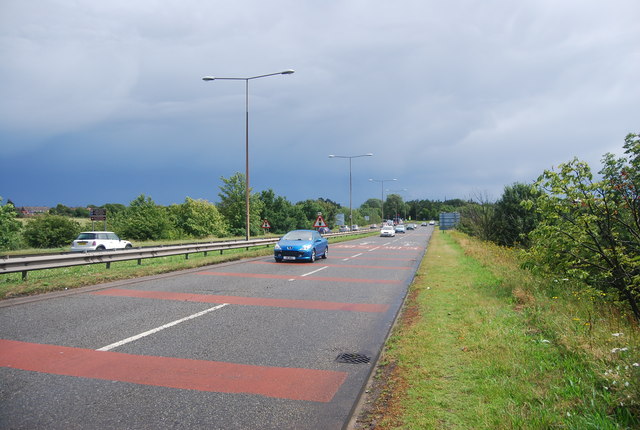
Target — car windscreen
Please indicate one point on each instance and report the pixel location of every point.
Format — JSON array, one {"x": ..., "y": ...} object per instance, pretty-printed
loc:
[{"x": 297, "y": 235}]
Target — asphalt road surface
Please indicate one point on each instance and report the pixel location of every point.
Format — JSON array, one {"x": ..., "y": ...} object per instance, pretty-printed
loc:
[{"x": 245, "y": 345}]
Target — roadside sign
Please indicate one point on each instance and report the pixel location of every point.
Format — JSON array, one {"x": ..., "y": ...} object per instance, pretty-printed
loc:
[
  {"x": 265, "y": 224},
  {"x": 98, "y": 214},
  {"x": 319, "y": 222}
]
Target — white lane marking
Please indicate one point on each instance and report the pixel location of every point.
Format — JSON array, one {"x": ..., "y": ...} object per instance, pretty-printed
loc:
[
  {"x": 353, "y": 256},
  {"x": 373, "y": 249},
  {"x": 315, "y": 271},
  {"x": 157, "y": 329}
]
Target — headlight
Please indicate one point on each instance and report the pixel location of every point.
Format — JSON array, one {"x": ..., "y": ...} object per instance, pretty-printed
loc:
[
  {"x": 306, "y": 247},
  {"x": 277, "y": 247}
]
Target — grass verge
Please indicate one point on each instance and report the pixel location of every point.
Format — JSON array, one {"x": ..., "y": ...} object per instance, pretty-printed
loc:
[{"x": 482, "y": 344}]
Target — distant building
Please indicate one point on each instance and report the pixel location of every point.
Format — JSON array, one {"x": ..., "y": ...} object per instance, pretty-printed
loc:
[{"x": 33, "y": 210}]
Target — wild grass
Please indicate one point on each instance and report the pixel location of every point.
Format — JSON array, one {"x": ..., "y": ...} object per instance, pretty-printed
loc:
[{"x": 482, "y": 344}]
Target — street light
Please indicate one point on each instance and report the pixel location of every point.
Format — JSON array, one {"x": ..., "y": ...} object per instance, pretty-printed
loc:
[
  {"x": 350, "y": 200},
  {"x": 212, "y": 78},
  {"x": 382, "y": 181}
]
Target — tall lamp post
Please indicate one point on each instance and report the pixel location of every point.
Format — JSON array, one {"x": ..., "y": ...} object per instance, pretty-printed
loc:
[
  {"x": 246, "y": 148},
  {"x": 382, "y": 181},
  {"x": 350, "y": 157}
]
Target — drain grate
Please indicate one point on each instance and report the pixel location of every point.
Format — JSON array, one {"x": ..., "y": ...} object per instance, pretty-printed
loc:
[{"x": 353, "y": 358}]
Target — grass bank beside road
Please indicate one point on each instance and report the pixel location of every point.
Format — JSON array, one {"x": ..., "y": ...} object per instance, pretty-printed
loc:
[{"x": 482, "y": 344}]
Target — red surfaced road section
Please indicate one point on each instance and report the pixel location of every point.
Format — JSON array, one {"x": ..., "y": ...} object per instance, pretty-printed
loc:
[
  {"x": 300, "y": 278},
  {"x": 248, "y": 301},
  {"x": 279, "y": 382}
]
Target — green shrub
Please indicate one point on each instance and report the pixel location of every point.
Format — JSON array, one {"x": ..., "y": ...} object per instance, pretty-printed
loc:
[
  {"x": 50, "y": 231},
  {"x": 9, "y": 227}
]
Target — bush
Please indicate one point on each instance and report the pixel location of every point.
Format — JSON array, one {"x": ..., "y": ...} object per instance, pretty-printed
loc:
[
  {"x": 9, "y": 227},
  {"x": 143, "y": 220},
  {"x": 50, "y": 231},
  {"x": 199, "y": 218}
]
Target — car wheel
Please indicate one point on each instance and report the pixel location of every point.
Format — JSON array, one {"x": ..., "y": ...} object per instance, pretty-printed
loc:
[
  {"x": 128, "y": 246},
  {"x": 326, "y": 252},
  {"x": 313, "y": 255},
  {"x": 100, "y": 248}
]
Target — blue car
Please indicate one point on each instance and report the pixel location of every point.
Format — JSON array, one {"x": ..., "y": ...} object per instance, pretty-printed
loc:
[{"x": 301, "y": 245}]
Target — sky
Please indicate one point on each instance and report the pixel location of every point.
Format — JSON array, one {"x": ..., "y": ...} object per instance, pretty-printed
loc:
[{"x": 101, "y": 102}]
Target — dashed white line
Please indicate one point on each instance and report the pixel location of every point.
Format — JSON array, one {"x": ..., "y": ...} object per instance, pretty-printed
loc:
[
  {"x": 315, "y": 271},
  {"x": 157, "y": 329},
  {"x": 353, "y": 256}
]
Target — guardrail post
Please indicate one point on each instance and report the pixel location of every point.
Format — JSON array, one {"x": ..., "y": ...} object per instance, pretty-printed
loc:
[
  {"x": 108, "y": 265},
  {"x": 186, "y": 256},
  {"x": 139, "y": 261},
  {"x": 24, "y": 275}
]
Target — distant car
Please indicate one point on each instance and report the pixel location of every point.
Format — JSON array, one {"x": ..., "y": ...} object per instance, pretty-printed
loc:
[
  {"x": 423, "y": 224},
  {"x": 301, "y": 245},
  {"x": 411, "y": 226},
  {"x": 373, "y": 226},
  {"x": 98, "y": 241},
  {"x": 344, "y": 229},
  {"x": 432, "y": 223},
  {"x": 400, "y": 228},
  {"x": 355, "y": 227},
  {"x": 324, "y": 230},
  {"x": 387, "y": 231}
]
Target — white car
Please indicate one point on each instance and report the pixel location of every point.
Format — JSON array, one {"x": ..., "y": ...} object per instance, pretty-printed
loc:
[
  {"x": 400, "y": 228},
  {"x": 98, "y": 241},
  {"x": 387, "y": 231}
]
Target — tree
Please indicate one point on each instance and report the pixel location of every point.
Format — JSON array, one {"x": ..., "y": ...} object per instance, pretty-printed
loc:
[
  {"x": 512, "y": 220},
  {"x": 477, "y": 217},
  {"x": 50, "y": 231},
  {"x": 143, "y": 220},
  {"x": 394, "y": 206},
  {"x": 233, "y": 206},
  {"x": 281, "y": 213},
  {"x": 589, "y": 229},
  {"x": 113, "y": 208},
  {"x": 371, "y": 208},
  {"x": 61, "y": 210},
  {"x": 199, "y": 218},
  {"x": 10, "y": 227}
]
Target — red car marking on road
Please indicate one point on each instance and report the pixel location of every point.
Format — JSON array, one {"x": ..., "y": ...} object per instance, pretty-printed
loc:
[
  {"x": 249, "y": 301},
  {"x": 181, "y": 373}
]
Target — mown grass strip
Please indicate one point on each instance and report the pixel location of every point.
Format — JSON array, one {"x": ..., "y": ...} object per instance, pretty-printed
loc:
[{"x": 468, "y": 353}]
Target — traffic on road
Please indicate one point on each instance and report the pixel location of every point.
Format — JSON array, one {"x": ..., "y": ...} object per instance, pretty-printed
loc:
[{"x": 249, "y": 344}]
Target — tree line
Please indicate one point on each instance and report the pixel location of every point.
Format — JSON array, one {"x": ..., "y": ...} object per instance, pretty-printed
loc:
[
  {"x": 569, "y": 223},
  {"x": 144, "y": 220}
]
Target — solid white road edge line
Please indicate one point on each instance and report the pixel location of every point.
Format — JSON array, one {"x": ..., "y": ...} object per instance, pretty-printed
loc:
[{"x": 155, "y": 330}]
